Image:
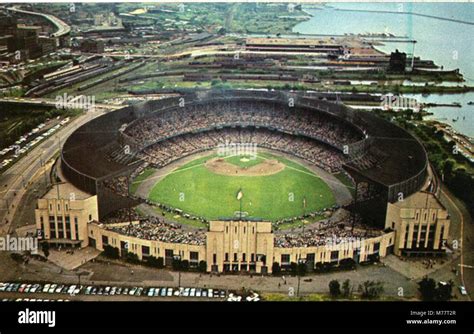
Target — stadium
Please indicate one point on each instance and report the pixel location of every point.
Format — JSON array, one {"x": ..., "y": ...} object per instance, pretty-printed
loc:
[{"x": 244, "y": 156}]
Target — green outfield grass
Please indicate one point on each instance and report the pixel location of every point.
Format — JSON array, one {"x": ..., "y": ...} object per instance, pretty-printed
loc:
[
  {"x": 196, "y": 190},
  {"x": 140, "y": 178}
]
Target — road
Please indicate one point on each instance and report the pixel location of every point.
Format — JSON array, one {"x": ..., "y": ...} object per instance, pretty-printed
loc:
[
  {"x": 61, "y": 26},
  {"x": 15, "y": 179},
  {"x": 465, "y": 244},
  {"x": 48, "y": 102}
]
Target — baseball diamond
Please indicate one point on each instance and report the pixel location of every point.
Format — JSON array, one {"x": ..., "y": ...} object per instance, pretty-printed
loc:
[{"x": 273, "y": 188}]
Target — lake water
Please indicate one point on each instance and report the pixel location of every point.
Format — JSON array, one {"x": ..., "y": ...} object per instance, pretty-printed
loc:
[{"x": 447, "y": 43}]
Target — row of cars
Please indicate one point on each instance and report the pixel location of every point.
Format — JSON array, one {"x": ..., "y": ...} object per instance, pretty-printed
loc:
[
  {"x": 16, "y": 149},
  {"x": 39, "y": 300},
  {"x": 73, "y": 290}
]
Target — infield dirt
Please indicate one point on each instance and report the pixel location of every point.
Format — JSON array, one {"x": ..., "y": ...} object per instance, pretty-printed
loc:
[{"x": 222, "y": 167}]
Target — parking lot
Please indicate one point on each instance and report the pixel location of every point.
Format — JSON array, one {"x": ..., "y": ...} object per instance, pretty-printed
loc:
[{"x": 36, "y": 292}]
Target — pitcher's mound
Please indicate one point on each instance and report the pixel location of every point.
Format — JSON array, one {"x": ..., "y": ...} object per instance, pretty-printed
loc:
[{"x": 222, "y": 167}]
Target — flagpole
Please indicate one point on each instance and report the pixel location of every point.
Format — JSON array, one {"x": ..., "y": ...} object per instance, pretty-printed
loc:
[{"x": 241, "y": 204}]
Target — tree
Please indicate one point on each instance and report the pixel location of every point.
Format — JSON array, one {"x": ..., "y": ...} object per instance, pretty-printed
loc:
[
  {"x": 334, "y": 288},
  {"x": 111, "y": 252},
  {"x": 202, "y": 267},
  {"x": 45, "y": 248},
  {"x": 131, "y": 257},
  {"x": 346, "y": 289},
  {"x": 176, "y": 264},
  {"x": 154, "y": 262},
  {"x": 427, "y": 288},
  {"x": 301, "y": 269},
  {"x": 371, "y": 289},
  {"x": 294, "y": 268},
  {"x": 276, "y": 269},
  {"x": 160, "y": 262},
  {"x": 444, "y": 291},
  {"x": 184, "y": 265},
  {"x": 432, "y": 292},
  {"x": 347, "y": 264}
]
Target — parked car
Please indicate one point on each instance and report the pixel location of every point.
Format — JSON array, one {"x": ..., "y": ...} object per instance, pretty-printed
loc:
[
  {"x": 88, "y": 290},
  {"x": 163, "y": 292},
  {"x": 151, "y": 292},
  {"x": 198, "y": 292},
  {"x": 71, "y": 289},
  {"x": 125, "y": 291},
  {"x": 156, "y": 293},
  {"x": 52, "y": 289},
  {"x": 132, "y": 291},
  {"x": 22, "y": 288},
  {"x": 139, "y": 292},
  {"x": 209, "y": 293},
  {"x": 59, "y": 288},
  {"x": 186, "y": 292},
  {"x": 463, "y": 290},
  {"x": 192, "y": 292},
  {"x": 169, "y": 292},
  {"x": 35, "y": 288}
]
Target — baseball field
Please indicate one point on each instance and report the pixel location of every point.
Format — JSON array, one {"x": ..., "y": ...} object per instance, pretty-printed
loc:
[{"x": 265, "y": 186}]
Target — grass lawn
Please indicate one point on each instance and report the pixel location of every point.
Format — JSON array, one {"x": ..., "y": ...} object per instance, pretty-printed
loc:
[
  {"x": 196, "y": 190},
  {"x": 140, "y": 178}
]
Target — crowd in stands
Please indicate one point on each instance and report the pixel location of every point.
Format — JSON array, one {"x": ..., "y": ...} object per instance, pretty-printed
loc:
[
  {"x": 325, "y": 233},
  {"x": 197, "y": 117},
  {"x": 324, "y": 211},
  {"x": 121, "y": 184},
  {"x": 165, "y": 152},
  {"x": 118, "y": 185},
  {"x": 120, "y": 216},
  {"x": 154, "y": 228}
]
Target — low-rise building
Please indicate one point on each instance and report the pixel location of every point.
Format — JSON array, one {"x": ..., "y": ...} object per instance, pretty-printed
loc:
[
  {"x": 421, "y": 223},
  {"x": 63, "y": 213}
]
